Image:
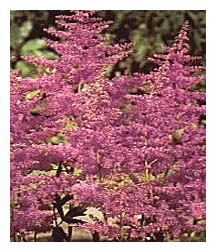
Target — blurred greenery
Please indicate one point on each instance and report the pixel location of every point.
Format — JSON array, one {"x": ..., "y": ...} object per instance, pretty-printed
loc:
[
  {"x": 148, "y": 29},
  {"x": 26, "y": 37}
]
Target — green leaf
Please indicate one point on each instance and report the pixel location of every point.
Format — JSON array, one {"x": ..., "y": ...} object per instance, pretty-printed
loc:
[
  {"x": 25, "y": 29},
  {"x": 77, "y": 171},
  {"x": 71, "y": 126},
  {"x": 42, "y": 172},
  {"x": 203, "y": 122},
  {"x": 178, "y": 133},
  {"x": 36, "y": 110},
  {"x": 176, "y": 136},
  {"x": 32, "y": 47},
  {"x": 15, "y": 37},
  {"x": 57, "y": 139},
  {"x": 32, "y": 94},
  {"x": 33, "y": 185},
  {"x": 25, "y": 68}
]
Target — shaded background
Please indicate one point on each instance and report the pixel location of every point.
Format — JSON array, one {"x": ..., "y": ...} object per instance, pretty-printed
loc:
[{"x": 149, "y": 29}]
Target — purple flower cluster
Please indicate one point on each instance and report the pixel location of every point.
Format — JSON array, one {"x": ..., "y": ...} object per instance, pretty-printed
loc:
[{"x": 132, "y": 146}]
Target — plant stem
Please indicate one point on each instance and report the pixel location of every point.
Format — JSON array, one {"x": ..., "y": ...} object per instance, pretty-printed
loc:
[
  {"x": 35, "y": 236},
  {"x": 70, "y": 231}
]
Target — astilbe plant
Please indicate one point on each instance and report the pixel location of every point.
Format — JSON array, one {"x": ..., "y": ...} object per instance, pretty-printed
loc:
[{"x": 132, "y": 146}]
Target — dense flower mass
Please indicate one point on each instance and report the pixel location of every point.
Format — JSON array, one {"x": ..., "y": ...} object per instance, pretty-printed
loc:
[{"x": 132, "y": 146}]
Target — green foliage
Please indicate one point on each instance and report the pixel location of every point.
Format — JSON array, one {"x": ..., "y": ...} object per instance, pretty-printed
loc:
[
  {"x": 36, "y": 110},
  {"x": 18, "y": 35},
  {"x": 40, "y": 172},
  {"x": 32, "y": 94},
  {"x": 175, "y": 138},
  {"x": 151, "y": 29},
  {"x": 71, "y": 126},
  {"x": 36, "y": 48},
  {"x": 33, "y": 185},
  {"x": 203, "y": 122},
  {"x": 25, "y": 68},
  {"x": 57, "y": 139},
  {"x": 24, "y": 40},
  {"x": 77, "y": 171}
]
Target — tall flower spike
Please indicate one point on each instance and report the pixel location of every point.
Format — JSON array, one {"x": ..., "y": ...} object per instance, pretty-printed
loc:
[
  {"x": 84, "y": 54},
  {"x": 181, "y": 41}
]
